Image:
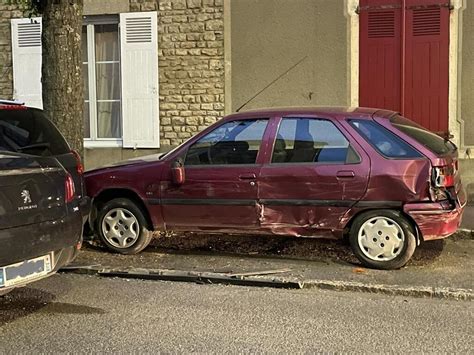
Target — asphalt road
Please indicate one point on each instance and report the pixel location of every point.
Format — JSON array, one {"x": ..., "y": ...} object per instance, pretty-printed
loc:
[{"x": 75, "y": 313}]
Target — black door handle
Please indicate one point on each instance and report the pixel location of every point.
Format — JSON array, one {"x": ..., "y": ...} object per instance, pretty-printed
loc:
[
  {"x": 250, "y": 176},
  {"x": 345, "y": 174}
]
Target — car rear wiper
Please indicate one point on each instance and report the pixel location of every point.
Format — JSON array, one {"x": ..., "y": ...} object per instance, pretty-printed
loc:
[
  {"x": 12, "y": 153},
  {"x": 34, "y": 146}
]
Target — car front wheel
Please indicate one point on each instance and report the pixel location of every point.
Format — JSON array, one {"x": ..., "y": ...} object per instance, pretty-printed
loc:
[
  {"x": 122, "y": 227},
  {"x": 382, "y": 239}
]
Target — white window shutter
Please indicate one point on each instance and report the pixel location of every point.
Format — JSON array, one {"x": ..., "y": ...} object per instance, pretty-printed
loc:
[
  {"x": 139, "y": 69},
  {"x": 26, "y": 57}
]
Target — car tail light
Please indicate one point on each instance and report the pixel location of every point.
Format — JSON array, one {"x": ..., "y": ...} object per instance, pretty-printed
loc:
[
  {"x": 70, "y": 191},
  {"x": 79, "y": 166},
  {"x": 443, "y": 176},
  {"x": 13, "y": 107},
  {"x": 443, "y": 181}
]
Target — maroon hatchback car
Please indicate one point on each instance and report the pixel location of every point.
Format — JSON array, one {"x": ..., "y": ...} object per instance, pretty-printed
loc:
[{"x": 370, "y": 175}]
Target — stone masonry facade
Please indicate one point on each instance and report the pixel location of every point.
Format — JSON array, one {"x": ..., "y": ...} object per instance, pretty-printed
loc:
[{"x": 191, "y": 65}]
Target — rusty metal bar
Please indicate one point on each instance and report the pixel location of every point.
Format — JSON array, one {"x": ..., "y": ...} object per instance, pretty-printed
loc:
[
  {"x": 379, "y": 7},
  {"x": 433, "y": 6}
]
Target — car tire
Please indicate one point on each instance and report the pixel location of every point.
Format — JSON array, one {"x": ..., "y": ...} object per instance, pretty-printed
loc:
[
  {"x": 121, "y": 225},
  {"x": 382, "y": 239}
]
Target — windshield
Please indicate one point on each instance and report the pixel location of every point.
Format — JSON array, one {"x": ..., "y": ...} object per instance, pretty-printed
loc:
[{"x": 432, "y": 141}]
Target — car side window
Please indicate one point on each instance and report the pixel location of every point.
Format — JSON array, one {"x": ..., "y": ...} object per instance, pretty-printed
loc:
[
  {"x": 309, "y": 140},
  {"x": 235, "y": 142},
  {"x": 384, "y": 141}
]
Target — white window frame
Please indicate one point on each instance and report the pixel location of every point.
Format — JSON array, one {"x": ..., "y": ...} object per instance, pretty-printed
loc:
[{"x": 94, "y": 141}]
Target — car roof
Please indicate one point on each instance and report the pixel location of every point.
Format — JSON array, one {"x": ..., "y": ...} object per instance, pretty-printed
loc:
[
  {"x": 10, "y": 102},
  {"x": 11, "y": 105},
  {"x": 337, "y": 112}
]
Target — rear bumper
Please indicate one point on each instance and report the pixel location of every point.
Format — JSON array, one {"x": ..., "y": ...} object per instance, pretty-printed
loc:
[
  {"x": 60, "y": 258},
  {"x": 434, "y": 220},
  {"x": 28, "y": 242}
]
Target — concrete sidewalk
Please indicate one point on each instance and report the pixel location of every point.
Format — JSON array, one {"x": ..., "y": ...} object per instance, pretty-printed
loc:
[{"x": 441, "y": 269}]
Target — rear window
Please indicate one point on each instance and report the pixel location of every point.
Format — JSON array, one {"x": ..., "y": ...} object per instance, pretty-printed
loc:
[
  {"x": 30, "y": 132},
  {"x": 432, "y": 141},
  {"x": 384, "y": 141}
]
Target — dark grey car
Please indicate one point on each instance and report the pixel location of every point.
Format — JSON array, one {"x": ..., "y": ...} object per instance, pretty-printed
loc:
[{"x": 41, "y": 217}]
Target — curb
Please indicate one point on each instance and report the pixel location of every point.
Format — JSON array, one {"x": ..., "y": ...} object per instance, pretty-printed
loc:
[
  {"x": 274, "y": 282},
  {"x": 394, "y": 290},
  {"x": 465, "y": 233},
  {"x": 184, "y": 276}
]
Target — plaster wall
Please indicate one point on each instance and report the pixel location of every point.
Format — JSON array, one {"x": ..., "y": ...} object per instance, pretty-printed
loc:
[
  {"x": 467, "y": 74},
  {"x": 305, "y": 40}
]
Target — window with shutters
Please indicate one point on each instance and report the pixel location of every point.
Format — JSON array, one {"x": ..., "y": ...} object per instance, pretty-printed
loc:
[
  {"x": 102, "y": 87},
  {"x": 120, "y": 68}
]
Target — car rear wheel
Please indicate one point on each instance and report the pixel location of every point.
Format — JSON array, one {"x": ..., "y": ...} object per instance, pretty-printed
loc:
[
  {"x": 122, "y": 227},
  {"x": 382, "y": 239}
]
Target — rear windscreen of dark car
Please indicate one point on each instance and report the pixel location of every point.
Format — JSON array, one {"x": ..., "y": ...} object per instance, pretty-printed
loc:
[
  {"x": 432, "y": 141},
  {"x": 30, "y": 132}
]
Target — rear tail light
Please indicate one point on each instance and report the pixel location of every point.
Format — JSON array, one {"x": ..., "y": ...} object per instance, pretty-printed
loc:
[
  {"x": 13, "y": 107},
  {"x": 79, "y": 166},
  {"x": 443, "y": 176},
  {"x": 70, "y": 191},
  {"x": 443, "y": 182}
]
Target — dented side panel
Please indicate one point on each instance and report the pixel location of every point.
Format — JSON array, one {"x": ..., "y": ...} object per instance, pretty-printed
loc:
[
  {"x": 401, "y": 180},
  {"x": 393, "y": 185},
  {"x": 435, "y": 223},
  {"x": 302, "y": 221},
  {"x": 436, "y": 220},
  {"x": 309, "y": 199}
]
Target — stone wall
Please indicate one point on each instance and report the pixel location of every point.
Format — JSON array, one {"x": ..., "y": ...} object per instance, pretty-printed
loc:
[
  {"x": 191, "y": 65},
  {"x": 7, "y": 12}
]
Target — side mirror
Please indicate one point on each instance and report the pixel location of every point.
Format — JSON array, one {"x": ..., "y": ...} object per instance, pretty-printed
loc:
[{"x": 177, "y": 172}]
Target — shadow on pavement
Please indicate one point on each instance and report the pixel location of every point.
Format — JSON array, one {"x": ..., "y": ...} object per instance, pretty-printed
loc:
[
  {"x": 22, "y": 302},
  {"x": 25, "y": 301}
]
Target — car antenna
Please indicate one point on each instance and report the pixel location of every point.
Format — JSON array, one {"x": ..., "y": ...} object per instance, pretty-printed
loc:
[{"x": 271, "y": 83}]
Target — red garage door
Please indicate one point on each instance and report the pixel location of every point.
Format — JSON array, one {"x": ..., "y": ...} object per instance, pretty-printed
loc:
[{"x": 404, "y": 57}]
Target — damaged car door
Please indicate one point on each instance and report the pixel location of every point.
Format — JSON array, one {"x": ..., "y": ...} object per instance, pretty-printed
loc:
[
  {"x": 218, "y": 189},
  {"x": 314, "y": 176}
]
